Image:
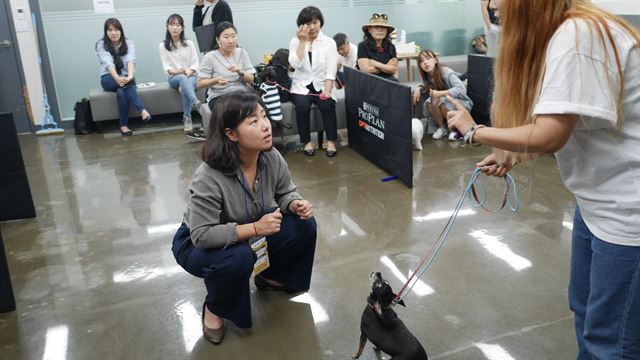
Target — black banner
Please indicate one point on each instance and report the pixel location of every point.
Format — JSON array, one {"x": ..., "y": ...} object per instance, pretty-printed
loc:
[{"x": 379, "y": 122}]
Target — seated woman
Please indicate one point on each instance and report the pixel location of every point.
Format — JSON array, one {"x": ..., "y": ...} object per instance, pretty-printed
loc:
[
  {"x": 180, "y": 62},
  {"x": 117, "y": 57},
  {"x": 227, "y": 68},
  {"x": 313, "y": 56},
  {"x": 439, "y": 82},
  {"x": 376, "y": 53},
  {"x": 231, "y": 195}
]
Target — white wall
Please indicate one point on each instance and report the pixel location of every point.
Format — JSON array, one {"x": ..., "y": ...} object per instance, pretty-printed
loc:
[
  {"x": 29, "y": 55},
  {"x": 620, "y": 7}
]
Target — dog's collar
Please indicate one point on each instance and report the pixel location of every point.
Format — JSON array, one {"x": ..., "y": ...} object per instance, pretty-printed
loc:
[{"x": 382, "y": 308}]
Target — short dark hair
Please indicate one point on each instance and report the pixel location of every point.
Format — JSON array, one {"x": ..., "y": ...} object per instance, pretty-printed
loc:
[
  {"x": 224, "y": 26},
  {"x": 340, "y": 39},
  {"x": 230, "y": 110},
  {"x": 219, "y": 29},
  {"x": 309, "y": 14}
]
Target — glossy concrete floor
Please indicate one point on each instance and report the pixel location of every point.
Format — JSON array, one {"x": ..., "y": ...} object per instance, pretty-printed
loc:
[{"x": 94, "y": 277}]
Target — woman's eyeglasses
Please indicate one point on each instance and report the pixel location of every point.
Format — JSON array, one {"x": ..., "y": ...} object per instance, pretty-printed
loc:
[{"x": 380, "y": 16}]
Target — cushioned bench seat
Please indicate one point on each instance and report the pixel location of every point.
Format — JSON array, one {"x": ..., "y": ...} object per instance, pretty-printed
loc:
[
  {"x": 160, "y": 99},
  {"x": 289, "y": 115}
]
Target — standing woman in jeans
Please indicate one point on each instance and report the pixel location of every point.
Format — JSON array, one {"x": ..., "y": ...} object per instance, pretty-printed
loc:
[
  {"x": 314, "y": 58},
  {"x": 180, "y": 61},
  {"x": 568, "y": 82},
  {"x": 117, "y": 57}
]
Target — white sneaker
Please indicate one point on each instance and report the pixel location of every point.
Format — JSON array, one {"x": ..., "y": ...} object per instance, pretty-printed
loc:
[
  {"x": 188, "y": 125},
  {"x": 439, "y": 133},
  {"x": 453, "y": 136}
]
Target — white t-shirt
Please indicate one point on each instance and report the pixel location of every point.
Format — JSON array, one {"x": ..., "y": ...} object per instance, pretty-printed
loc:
[
  {"x": 599, "y": 164},
  {"x": 351, "y": 58},
  {"x": 492, "y": 36},
  {"x": 182, "y": 57}
]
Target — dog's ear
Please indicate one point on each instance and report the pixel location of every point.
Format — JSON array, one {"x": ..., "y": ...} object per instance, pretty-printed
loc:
[{"x": 401, "y": 302}]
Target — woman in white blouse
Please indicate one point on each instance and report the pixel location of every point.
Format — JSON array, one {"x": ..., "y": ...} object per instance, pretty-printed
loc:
[
  {"x": 180, "y": 61},
  {"x": 313, "y": 56}
]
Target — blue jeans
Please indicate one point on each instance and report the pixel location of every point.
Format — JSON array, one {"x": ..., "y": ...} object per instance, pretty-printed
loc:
[
  {"x": 125, "y": 97},
  {"x": 187, "y": 88},
  {"x": 604, "y": 294}
]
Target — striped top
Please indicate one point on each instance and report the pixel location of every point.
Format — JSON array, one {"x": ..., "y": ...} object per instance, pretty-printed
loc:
[{"x": 271, "y": 98}]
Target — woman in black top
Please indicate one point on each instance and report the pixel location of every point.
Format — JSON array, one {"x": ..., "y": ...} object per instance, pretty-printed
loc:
[
  {"x": 215, "y": 12},
  {"x": 376, "y": 53}
]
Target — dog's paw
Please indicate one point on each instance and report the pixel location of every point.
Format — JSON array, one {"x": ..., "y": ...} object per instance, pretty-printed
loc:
[{"x": 356, "y": 355}]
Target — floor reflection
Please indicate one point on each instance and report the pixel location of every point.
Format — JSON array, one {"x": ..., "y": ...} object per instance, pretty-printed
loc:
[
  {"x": 56, "y": 339},
  {"x": 419, "y": 287},
  {"x": 500, "y": 250},
  {"x": 94, "y": 275}
]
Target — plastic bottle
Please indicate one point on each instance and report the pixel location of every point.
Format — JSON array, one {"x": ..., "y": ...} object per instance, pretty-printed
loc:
[{"x": 403, "y": 37}]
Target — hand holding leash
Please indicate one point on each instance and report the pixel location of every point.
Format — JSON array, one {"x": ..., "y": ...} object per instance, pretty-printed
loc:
[{"x": 490, "y": 167}]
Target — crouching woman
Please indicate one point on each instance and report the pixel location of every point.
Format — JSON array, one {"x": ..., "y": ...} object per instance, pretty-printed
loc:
[{"x": 230, "y": 207}]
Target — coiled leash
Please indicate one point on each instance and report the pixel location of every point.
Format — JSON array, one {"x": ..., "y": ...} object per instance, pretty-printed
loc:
[{"x": 470, "y": 191}]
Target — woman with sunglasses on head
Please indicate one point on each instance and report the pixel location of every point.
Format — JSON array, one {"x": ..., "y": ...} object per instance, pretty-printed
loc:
[
  {"x": 438, "y": 82},
  {"x": 231, "y": 205},
  {"x": 314, "y": 59},
  {"x": 180, "y": 62},
  {"x": 117, "y": 57},
  {"x": 567, "y": 81},
  {"x": 376, "y": 53}
]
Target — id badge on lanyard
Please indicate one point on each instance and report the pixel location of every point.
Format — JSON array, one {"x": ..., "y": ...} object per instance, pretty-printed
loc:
[
  {"x": 260, "y": 248},
  {"x": 259, "y": 245}
]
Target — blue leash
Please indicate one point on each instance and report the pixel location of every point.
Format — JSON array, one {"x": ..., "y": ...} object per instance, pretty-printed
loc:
[{"x": 510, "y": 189}]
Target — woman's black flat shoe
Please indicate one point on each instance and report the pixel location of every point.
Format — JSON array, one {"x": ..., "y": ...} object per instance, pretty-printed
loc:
[
  {"x": 309, "y": 152},
  {"x": 213, "y": 336},
  {"x": 126, "y": 133},
  {"x": 262, "y": 284},
  {"x": 332, "y": 153},
  {"x": 147, "y": 119}
]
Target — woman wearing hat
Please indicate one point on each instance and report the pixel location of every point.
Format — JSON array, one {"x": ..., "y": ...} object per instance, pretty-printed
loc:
[{"x": 376, "y": 53}]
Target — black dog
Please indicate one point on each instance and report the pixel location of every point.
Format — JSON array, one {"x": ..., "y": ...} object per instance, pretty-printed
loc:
[{"x": 381, "y": 325}]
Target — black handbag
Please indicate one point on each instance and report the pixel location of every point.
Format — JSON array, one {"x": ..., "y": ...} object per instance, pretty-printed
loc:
[{"x": 83, "y": 121}]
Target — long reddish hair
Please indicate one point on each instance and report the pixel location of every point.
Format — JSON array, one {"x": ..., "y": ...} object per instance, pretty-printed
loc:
[{"x": 527, "y": 28}]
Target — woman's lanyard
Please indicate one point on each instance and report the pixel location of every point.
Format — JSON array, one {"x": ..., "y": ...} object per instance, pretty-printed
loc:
[{"x": 245, "y": 188}]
